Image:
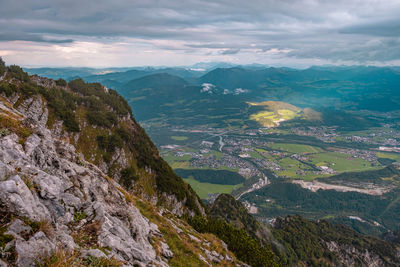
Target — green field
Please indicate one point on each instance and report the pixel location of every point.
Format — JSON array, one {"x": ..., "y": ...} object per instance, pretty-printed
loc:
[
  {"x": 290, "y": 166},
  {"x": 255, "y": 155},
  {"x": 171, "y": 158},
  {"x": 340, "y": 162},
  {"x": 179, "y": 138},
  {"x": 393, "y": 156},
  {"x": 295, "y": 148},
  {"x": 289, "y": 163},
  {"x": 202, "y": 189},
  {"x": 180, "y": 165}
]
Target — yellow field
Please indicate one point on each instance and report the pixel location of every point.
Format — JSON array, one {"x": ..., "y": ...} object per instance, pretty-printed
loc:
[
  {"x": 273, "y": 118},
  {"x": 275, "y": 105},
  {"x": 276, "y": 112}
]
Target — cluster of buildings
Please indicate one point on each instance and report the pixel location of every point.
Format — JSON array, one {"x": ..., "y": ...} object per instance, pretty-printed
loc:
[{"x": 323, "y": 133}]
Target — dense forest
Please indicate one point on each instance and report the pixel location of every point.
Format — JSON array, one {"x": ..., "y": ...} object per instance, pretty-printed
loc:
[{"x": 288, "y": 198}]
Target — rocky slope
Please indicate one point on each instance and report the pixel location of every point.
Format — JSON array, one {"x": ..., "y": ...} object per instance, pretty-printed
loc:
[{"x": 67, "y": 201}]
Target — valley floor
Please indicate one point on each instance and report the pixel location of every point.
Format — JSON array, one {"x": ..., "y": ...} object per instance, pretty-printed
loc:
[{"x": 314, "y": 158}]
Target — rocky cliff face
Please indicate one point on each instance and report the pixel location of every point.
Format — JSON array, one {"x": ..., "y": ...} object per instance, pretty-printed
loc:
[{"x": 58, "y": 207}]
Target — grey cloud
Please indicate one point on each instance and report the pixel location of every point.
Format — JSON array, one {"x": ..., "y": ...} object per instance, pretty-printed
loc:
[
  {"x": 388, "y": 28},
  {"x": 208, "y": 45},
  {"x": 363, "y": 51},
  {"x": 332, "y": 30},
  {"x": 14, "y": 36},
  {"x": 229, "y": 51}
]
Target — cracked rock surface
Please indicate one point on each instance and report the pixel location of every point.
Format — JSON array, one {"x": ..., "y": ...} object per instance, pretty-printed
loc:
[{"x": 44, "y": 182}]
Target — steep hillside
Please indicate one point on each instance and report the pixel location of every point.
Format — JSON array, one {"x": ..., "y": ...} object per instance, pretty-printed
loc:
[
  {"x": 99, "y": 123},
  {"x": 232, "y": 211},
  {"x": 81, "y": 184}
]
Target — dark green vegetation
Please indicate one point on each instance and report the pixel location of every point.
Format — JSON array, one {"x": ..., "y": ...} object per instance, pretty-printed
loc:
[
  {"x": 287, "y": 198},
  {"x": 99, "y": 96},
  {"x": 3, "y": 67},
  {"x": 212, "y": 176},
  {"x": 386, "y": 176},
  {"x": 296, "y": 240},
  {"x": 64, "y": 104},
  {"x": 307, "y": 241},
  {"x": 128, "y": 176},
  {"x": 61, "y": 82},
  {"x": 239, "y": 241},
  {"x": 393, "y": 237},
  {"x": 4, "y": 220},
  {"x": 233, "y": 212},
  {"x": 17, "y": 73}
]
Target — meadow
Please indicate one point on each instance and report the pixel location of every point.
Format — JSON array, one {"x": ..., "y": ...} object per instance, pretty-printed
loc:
[{"x": 203, "y": 189}]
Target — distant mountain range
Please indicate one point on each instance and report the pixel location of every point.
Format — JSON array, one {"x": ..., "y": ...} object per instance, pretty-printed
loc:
[{"x": 204, "y": 90}]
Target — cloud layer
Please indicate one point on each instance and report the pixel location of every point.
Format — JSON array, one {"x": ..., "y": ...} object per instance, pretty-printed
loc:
[{"x": 157, "y": 32}]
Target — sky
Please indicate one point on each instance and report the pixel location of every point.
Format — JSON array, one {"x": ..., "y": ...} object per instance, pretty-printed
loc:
[{"x": 123, "y": 33}]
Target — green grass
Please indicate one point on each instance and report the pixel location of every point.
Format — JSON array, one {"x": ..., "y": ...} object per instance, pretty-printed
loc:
[
  {"x": 327, "y": 217},
  {"x": 255, "y": 155},
  {"x": 171, "y": 158},
  {"x": 180, "y": 165},
  {"x": 228, "y": 169},
  {"x": 289, "y": 163},
  {"x": 312, "y": 176},
  {"x": 392, "y": 156},
  {"x": 287, "y": 173},
  {"x": 369, "y": 131},
  {"x": 290, "y": 166},
  {"x": 202, "y": 189},
  {"x": 340, "y": 162},
  {"x": 295, "y": 148},
  {"x": 179, "y": 138}
]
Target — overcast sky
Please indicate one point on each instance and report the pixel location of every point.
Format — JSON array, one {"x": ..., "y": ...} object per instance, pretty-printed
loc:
[{"x": 182, "y": 32}]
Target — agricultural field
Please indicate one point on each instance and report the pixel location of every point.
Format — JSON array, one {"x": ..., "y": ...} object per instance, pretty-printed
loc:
[
  {"x": 340, "y": 162},
  {"x": 179, "y": 138},
  {"x": 276, "y": 112},
  {"x": 204, "y": 189},
  {"x": 171, "y": 158},
  {"x": 295, "y": 148},
  {"x": 392, "y": 156}
]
